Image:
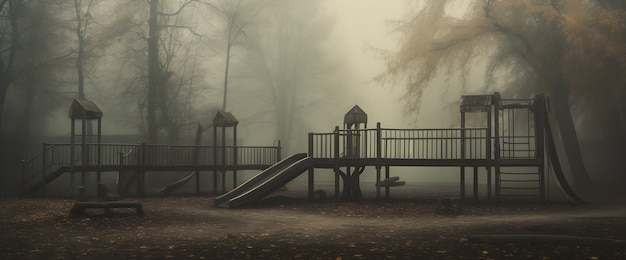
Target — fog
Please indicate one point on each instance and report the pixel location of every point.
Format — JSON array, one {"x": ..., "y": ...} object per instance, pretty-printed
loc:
[
  {"x": 362, "y": 26},
  {"x": 360, "y": 30},
  {"x": 282, "y": 68}
]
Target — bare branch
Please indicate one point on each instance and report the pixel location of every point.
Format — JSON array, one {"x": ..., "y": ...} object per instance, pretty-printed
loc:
[{"x": 180, "y": 9}]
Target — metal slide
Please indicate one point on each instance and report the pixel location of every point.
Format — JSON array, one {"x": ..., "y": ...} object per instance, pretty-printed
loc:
[
  {"x": 556, "y": 164},
  {"x": 177, "y": 184},
  {"x": 265, "y": 182}
]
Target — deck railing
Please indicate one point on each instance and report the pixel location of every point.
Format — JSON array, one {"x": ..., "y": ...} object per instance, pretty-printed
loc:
[
  {"x": 118, "y": 156},
  {"x": 379, "y": 143},
  {"x": 467, "y": 143}
]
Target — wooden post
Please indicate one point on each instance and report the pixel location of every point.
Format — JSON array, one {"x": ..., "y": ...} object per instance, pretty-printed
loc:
[
  {"x": 197, "y": 159},
  {"x": 279, "y": 152},
  {"x": 378, "y": 159},
  {"x": 311, "y": 170},
  {"x": 215, "y": 159},
  {"x": 539, "y": 114},
  {"x": 463, "y": 151},
  {"x": 387, "y": 195},
  {"x": 72, "y": 154},
  {"x": 99, "y": 159},
  {"x": 223, "y": 159},
  {"x": 142, "y": 172},
  {"x": 235, "y": 156},
  {"x": 488, "y": 152},
  {"x": 84, "y": 154},
  {"x": 496, "y": 139},
  {"x": 475, "y": 182},
  {"x": 43, "y": 170},
  {"x": 336, "y": 156}
]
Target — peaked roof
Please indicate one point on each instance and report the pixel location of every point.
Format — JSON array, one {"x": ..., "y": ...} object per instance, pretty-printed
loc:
[
  {"x": 356, "y": 115},
  {"x": 476, "y": 103},
  {"x": 224, "y": 119},
  {"x": 84, "y": 109}
]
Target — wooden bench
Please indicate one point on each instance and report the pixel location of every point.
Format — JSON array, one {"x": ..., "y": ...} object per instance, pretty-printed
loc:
[{"x": 79, "y": 207}]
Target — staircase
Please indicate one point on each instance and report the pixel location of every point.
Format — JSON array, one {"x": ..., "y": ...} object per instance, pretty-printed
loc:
[{"x": 41, "y": 170}]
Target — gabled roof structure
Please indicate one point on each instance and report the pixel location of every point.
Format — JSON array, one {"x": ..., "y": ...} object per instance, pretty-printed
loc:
[
  {"x": 84, "y": 109},
  {"x": 224, "y": 119},
  {"x": 476, "y": 103},
  {"x": 355, "y": 116}
]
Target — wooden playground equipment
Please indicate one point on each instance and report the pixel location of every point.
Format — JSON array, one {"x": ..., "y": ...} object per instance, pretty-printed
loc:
[
  {"x": 509, "y": 143},
  {"x": 510, "y": 146},
  {"x": 133, "y": 162}
]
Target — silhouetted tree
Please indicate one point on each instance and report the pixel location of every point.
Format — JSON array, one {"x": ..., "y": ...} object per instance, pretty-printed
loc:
[
  {"x": 163, "y": 90},
  {"x": 236, "y": 16},
  {"x": 289, "y": 64},
  {"x": 9, "y": 41},
  {"x": 568, "y": 49},
  {"x": 32, "y": 79},
  {"x": 159, "y": 65}
]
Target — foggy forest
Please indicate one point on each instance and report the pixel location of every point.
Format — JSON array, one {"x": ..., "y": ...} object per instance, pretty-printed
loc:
[
  {"x": 312, "y": 129},
  {"x": 287, "y": 68}
]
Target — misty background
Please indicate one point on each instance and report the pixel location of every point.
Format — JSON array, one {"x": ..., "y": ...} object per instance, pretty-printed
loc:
[{"x": 287, "y": 68}]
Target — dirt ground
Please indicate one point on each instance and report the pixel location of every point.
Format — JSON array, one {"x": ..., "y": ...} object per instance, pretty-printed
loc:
[{"x": 287, "y": 226}]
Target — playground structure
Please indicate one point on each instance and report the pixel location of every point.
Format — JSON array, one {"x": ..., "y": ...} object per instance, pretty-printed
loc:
[
  {"x": 510, "y": 145},
  {"x": 132, "y": 162}
]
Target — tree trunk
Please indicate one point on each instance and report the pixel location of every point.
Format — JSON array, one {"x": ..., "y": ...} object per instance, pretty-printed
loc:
[
  {"x": 6, "y": 67},
  {"x": 4, "y": 87},
  {"x": 562, "y": 111},
  {"x": 153, "y": 71},
  {"x": 80, "y": 36},
  {"x": 230, "y": 44},
  {"x": 81, "y": 50},
  {"x": 24, "y": 134},
  {"x": 4, "y": 146}
]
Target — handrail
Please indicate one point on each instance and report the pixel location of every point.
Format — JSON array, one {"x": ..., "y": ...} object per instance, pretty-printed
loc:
[
  {"x": 389, "y": 143},
  {"x": 35, "y": 170},
  {"x": 35, "y": 166}
]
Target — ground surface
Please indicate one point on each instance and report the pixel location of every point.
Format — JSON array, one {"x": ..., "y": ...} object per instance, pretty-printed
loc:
[{"x": 286, "y": 227}]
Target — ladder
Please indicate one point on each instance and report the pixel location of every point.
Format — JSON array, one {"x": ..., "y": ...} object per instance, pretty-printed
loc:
[{"x": 519, "y": 152}]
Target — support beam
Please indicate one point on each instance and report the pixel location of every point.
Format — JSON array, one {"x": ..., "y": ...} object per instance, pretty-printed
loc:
[
  {"x": 475, "y": 182},
  {"x": 311, "y": 183}
]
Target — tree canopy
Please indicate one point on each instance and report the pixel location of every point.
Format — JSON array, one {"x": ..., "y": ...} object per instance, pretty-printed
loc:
[{"x": 571, "y": 50}]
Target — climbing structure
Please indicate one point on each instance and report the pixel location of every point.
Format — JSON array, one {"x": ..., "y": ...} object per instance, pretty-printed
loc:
[
  {"x": 519, "y": 147},
  {"x": 506, "y": 137}
]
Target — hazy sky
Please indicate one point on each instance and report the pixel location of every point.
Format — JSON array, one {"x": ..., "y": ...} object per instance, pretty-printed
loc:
[
  {"x": 359, "y": 24},
  {"x": 363, "y": 23}
]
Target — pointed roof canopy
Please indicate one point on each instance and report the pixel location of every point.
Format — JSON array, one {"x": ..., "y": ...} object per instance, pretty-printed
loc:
[
  {"x": 476, "y": 103},
  {"x": 84, "y": 109},
  {"x": 224, "y": 119},
  {"x": 356, "y": 115}
]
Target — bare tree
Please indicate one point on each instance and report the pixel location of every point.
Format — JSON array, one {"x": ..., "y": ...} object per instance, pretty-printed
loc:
[
  {"x": 161, "y": 53},
  {"x": 83, "y": 20},
  {"x": 9, "y": 42},
  {"x": 236, "y": 18},
  {"x": 288, "y": 65},
  {"x": 31, "y": 77}
]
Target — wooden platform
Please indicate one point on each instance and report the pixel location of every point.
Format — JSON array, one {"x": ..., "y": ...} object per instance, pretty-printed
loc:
[{"x": 79, "y": 207}]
